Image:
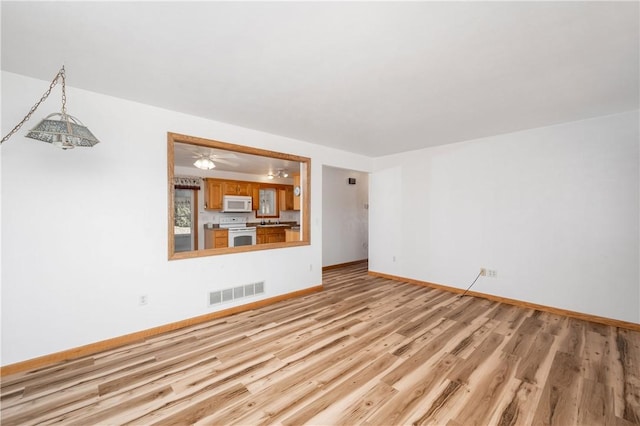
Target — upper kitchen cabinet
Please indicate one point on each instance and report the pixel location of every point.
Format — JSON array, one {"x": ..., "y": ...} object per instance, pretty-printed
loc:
[
  {"x": 267, "y": 199},
  {"x": 255, "y": 196},
  {"x": 236, "y": 188},
  {"x": 213, "y": 194},
  {"x": 218, "y": 188},
  {"x": 285, "y": 198}
]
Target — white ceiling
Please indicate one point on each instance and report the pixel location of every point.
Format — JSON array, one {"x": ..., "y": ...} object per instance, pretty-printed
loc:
[
  {"x": 185, "y": 155},
  {"x": 368, "y": 77}
]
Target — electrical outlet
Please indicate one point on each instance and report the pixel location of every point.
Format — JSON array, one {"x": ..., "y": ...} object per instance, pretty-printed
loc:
[
  {"x": 394, "y": 258},
  {"x": 311, "y": 267},
  {"x": 492, "y": 273},
  {"x": 143, "y": 300},
  {"x": 483, "y": 272}
]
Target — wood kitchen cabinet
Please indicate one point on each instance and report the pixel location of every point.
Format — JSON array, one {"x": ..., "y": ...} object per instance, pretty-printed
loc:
[
  {"x": 216, "y": 238},
  {"x": 292, "y": 235},
  {"x": 270, "y": 235},
  {"x": 217, "y": 188},
  {"x": 255, "y": 196},
  {"x": 285, "y": 196},
  {"x": 213, "y": 196},
  {"x": 231, "y": 187}
]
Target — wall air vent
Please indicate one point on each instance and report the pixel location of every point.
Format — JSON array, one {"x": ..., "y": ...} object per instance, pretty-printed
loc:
[{"x": 229, "y": 294}]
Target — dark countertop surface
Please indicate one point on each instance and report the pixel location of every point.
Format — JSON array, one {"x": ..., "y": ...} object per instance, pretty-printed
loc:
[
  {"x": 292, "y": 225},
  {"x": 273, "y": 224}
]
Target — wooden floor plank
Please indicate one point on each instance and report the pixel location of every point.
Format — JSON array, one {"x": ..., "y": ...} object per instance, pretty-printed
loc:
[
  {"x": 399, "y": 407},
  {"x": 560, "y": 397},
  {"x": 481, "y": 405},
  {"x": 529, "y": 367},
  {"x": 628, "y": 345},
  {"x": 354, "y": 381},
  {"x": 358, "y": 411},
  {"x": 365, "y": 350}
]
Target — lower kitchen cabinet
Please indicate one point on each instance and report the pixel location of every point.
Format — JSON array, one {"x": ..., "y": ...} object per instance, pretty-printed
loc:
[
  {"x": 270, "y": 235},
  {"x": 216, "y": 238},
  {"x": 291, "y": 235}
]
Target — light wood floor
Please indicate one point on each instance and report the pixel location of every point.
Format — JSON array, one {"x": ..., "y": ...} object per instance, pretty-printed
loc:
[{"x": 365, "y": 351}]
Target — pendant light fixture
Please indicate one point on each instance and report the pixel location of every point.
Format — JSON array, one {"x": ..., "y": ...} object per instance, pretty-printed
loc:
[{"x": 59, "y": 129}]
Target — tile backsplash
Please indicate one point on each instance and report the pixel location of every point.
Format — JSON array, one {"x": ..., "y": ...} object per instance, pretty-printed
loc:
[{"x": 208, "y": 216}]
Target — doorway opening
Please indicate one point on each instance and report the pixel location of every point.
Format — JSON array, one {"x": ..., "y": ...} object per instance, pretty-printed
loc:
[{"x": 345, "y": 216}]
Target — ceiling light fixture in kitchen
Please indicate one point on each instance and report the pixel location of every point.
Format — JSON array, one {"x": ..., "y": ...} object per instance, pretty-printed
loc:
[
  {"x": 204, "y": 163},
  {"x": 59, "y": 129},
  {"x": 280, "y": 173}
]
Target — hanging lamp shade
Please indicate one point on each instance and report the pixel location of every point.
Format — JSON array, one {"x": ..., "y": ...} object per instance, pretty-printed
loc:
[
  {"x": 62, "y": 130},
  {"x": 59, "y": 129}
]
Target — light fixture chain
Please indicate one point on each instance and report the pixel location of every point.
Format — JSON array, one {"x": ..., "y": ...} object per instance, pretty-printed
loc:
[
  {"x": 42, "y": 99},
  {"x": 64, "y": 91}
]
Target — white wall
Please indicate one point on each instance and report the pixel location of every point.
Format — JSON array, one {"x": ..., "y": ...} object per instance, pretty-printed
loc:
[
  {"x": 345, "y": 216},
  {"x": 554, "y": 210},
  {"x": 84, "y": 232}
]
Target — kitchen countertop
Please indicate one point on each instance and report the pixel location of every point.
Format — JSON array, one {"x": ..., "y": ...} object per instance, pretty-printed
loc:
[
  {"x": 293, "y": 225},
  {"x": 272, "y": 224}
]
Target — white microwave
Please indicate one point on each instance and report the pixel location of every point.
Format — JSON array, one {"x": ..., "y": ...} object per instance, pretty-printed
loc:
[{"x": 236, "y": 204}]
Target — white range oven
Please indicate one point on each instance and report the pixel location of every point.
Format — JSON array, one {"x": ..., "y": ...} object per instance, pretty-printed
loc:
[{"x": 239, "y": 233}]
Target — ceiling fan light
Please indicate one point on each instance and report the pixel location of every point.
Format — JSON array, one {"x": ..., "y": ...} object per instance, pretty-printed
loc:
[
  {"x": 204, "y": 164},
  {"x": 280, "y": 173}
]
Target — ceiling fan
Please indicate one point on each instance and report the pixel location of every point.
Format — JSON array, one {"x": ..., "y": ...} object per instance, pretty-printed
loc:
[{"x": 207, "y": 160}]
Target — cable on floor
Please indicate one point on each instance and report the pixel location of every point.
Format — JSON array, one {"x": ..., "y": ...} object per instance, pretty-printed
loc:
[{"x": 474, "y": 281}]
